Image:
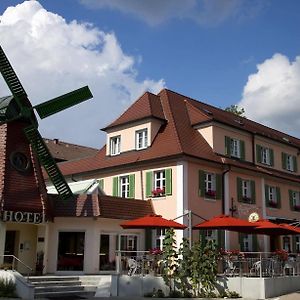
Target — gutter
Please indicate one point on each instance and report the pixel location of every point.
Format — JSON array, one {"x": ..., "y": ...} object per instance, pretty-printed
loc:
[{"x": 223, "y": 188}]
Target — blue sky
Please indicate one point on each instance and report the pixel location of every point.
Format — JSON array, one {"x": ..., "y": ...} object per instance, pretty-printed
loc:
[{"x": 203, "y": 49}]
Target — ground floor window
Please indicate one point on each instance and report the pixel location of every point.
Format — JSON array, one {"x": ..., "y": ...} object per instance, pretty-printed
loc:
[
  {"x": 286, "y": 243},
  {"x": 107, "y": 255},
  {"x": 70, "y": 256},
  {"x": 159, "y": 235}
]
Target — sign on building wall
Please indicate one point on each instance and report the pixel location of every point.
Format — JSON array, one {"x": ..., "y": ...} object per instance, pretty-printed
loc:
[{"x": 22, "y": 217}]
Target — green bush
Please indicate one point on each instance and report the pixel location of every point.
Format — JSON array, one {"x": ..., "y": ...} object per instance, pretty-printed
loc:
[{"x": 7, "y": 288}]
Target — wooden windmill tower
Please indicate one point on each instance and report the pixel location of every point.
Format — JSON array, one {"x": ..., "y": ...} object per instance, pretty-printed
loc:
[{"x": 23, "y": 151}]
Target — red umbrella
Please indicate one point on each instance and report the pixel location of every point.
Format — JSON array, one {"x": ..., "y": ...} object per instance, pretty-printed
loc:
[
  {"x": 226, "y": 223},
  {"x": 269, "y": 228},
  {"x": 290, "y": 227},
  {"x": 152, "y": 221}
]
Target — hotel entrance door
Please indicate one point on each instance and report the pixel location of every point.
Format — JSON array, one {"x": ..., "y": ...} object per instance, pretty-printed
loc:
[{"x": 11, "y": 246}]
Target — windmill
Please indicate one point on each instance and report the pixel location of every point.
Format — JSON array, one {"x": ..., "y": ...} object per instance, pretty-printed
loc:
[{"x": 18, "y": 107}]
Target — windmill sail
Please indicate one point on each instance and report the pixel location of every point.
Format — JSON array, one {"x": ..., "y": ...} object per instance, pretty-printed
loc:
[
  {"x": 48, "y": 162},
  {"x": 60, "y": 103}
]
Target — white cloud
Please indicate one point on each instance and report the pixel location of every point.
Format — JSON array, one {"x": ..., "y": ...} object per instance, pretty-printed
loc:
[
  {"x": 204, "y": 12},
  {"x": 271, "y": 96},
  {"x": 52, "y": 57}
]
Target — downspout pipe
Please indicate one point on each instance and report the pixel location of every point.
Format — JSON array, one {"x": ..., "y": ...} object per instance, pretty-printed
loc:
[{"x": 223, "y": 188}]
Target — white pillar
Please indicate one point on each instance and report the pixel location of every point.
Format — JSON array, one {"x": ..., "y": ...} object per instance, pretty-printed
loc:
[
  {"x": 181, "y": 199},
  {"x": 266, "y": 239},
  {"x": 46, "y": 243},
  {"x": 2, "y": 240}
]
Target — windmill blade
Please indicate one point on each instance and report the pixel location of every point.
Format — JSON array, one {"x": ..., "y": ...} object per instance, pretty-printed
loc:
[
  {"x": 62, "y": 102},
  {"x": 48, "y": 162},
  {"x": 11, "y": 78}
]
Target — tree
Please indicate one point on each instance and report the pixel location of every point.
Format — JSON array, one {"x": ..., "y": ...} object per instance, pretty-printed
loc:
[
  {"x": 236, "y": 110},
  {"x": 170, "y": 260}
]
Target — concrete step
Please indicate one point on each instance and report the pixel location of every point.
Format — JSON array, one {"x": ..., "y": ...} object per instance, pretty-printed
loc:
[
  {"x": 68, "y": 294},
  {"x": 54, "y": 283},
  {"x": 46, "y": 289},
  {"x": 52, "y": 277}
]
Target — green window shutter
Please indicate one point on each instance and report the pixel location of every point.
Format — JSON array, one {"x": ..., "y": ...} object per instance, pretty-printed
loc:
[
  {"x": 283, "y": 160},
  {"x": 168, "y": 173},
  {"x": 241, "y": 239},
  {"x": 149, "y": 184},
  {"x": 148, "y": 238},
  {"x": 242, "y": 150},
  {"x": 131, "y": 186},
  {"x": 252, "y": 184},
  {"x": 115, "y": 191},
  {"x": 201, "y": 190},
  {"x": 294, "y": 249},
  {"x": 271, "y": 157},
  {"x": 267, "y": 195},
  {"x": 239, "y": 189},
  {"x": 221, "y": 239},
  {"x": 227, "y": 145},
  {"x": 254, "y": 243},
  {"x": 258, "y": 153},
  {"x": 278, "y": 195},
  {"x": 219, "y": 191},
  {"x": 295, "y": 163},
  {"x": 291, "y": 200},
  {"x": 101, "y": 183}
]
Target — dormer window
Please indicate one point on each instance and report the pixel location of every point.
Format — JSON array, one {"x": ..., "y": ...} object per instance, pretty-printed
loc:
[
  {"x": 141, "y": 137},
  {"x": 115, "y": 145},
  {"x": 234, "y": 148}
]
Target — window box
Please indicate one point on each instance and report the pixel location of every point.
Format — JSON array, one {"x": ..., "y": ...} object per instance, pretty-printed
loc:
[
  {"x": 247, "y": 199},
  {"x": 273, "y": 204},
  {"x": 297, "y": 207},
  {"x": 210, "y": 194},
  {"x": 158, "y": 192}
]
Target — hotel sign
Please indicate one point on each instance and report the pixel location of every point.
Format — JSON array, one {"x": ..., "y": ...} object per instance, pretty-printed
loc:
[{"x": 22, "y": 217}]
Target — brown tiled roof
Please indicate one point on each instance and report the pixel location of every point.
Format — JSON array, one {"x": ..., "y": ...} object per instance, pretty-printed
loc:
[
  {"x": 178, "y": 137},
  {"x": 228, "y": 118},
  {"x": 146, "y": 106},
  {"x": 95, "y": 205},
  {"x": 63, "y": 151}
]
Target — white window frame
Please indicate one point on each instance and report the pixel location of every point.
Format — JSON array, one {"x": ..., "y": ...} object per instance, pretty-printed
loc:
[
  {"x": 210, "y": 185},
  {"x": 247, "y": 242},
  {"x": 272, "y": 194},
  {"x": 129, "y": 239},
  {"x": 141, "y": 139},
  {"x": 235, "y": 149},
  {"x": 296, "y": 198},
  {"x": 246, "y": 189},
  {"x": 124, "y": 186},
  {"x": 115, "y": 145},
  {"x": 159, "y": 179},
  {"x": 211, "y": 235},
  {"x": 290, "y": 163},
  {"x": 265, "y": 156},
  {"x": 297, "y": 243},
  {"x": 158, "y": 237}
]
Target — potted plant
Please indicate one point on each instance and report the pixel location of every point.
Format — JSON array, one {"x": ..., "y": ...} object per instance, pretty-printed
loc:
[
  {"x": 210, "y": 194},
  {"x": 158, "y": 192}
]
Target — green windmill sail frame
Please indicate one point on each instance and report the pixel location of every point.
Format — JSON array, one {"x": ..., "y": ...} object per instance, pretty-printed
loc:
[{"x": 18, "y": 106}]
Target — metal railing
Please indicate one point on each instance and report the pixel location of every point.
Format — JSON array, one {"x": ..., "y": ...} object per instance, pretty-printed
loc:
[
  {"x": 11, "y": 263},
  {"x": 248, "y": 264},
  {"x": 259, "y": 264},
  {"x": 138, "y": 263}
]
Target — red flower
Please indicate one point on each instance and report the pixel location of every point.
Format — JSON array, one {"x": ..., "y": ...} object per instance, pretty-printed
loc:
[
  {"x": 272, "y": 203},
  {"x": 158, "y": 192},
  {"x": 210, "y": 193},
  {"x": 155, "y": 251}
]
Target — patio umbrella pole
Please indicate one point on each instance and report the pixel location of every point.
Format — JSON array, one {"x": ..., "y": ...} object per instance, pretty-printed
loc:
[{"x": 190, "y": 215}]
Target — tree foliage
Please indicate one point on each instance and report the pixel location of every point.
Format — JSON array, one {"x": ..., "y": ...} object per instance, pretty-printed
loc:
[{"x": 236, "y": 110}]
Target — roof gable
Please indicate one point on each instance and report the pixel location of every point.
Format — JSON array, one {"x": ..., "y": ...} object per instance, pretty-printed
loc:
[{"x": 147, "y": 106}]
